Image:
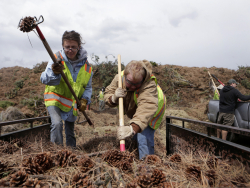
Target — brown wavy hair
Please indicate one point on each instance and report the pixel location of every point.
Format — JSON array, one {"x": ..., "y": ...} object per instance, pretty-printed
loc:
[{"x": 72, "y": 35}]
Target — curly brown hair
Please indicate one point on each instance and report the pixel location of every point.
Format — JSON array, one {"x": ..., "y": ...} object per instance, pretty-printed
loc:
[{"x": 72, "y": 35}]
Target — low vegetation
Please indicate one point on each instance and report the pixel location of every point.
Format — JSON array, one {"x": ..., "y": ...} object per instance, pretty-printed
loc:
[{"x": 6, "y": 104}]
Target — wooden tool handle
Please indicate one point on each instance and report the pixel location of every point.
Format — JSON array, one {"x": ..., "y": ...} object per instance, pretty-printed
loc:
[
  {"x": 214, "y": 84},
  {"x": 121, "y": 112}
]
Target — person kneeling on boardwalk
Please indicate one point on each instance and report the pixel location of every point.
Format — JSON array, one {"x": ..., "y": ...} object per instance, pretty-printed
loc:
[{"x": 144, "y": 103}]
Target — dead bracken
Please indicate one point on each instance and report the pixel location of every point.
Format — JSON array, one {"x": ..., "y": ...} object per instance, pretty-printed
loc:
[
  {"x": 85, "y": 164},
  {"x": 176, "y": 158},
  {"x": 27, "y": 24},
  {"x": 153, "y": 159},
  {"x": 65, "y": 158},
  {"x": 38, "y": 164}
]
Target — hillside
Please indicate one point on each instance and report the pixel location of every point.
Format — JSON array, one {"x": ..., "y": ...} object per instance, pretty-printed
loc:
[{"x": 187, "y": 90}]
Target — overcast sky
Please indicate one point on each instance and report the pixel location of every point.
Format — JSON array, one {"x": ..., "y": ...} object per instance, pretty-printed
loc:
[{"x": 193, "y": 33}]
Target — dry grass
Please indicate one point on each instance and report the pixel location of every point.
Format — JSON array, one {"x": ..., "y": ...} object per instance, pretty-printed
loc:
[{"x": 189, "y": 170}]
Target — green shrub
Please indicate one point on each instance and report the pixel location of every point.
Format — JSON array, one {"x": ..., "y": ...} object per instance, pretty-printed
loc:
[
  {"x": 30, "y": 102},
  {"x": 40, "y": 67},
  {"x": 27, "y": 102},
  {"x": 107, "y": 71},
  {"x": 5, "y": 104},
  {"x": 247, "y": 73},
  {"x": 154, "y": 64},
  {"x": 19, "y": 84},
  {"x": 11, "y": 94},
  {"x": 26, "y": 77},
  {"x": 245, "y": 83}
]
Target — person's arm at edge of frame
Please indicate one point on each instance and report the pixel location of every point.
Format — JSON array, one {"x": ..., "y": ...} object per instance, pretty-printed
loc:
[
  {"x": 48, "y": 77},
  {"x": 242, "y": 97}
]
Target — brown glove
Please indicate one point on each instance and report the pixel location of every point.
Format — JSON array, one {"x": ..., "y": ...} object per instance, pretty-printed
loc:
[
  {"x": 83, "y": 105},
  {"x": 57, "y": 68}
]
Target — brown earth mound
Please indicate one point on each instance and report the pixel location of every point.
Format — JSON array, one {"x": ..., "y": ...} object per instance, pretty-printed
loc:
[{"x": 187, "y": 90}]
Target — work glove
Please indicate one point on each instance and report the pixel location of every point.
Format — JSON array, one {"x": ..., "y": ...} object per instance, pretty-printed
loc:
[
  {"x": 214, "y": 88},
  {"x": 119, "y": 92},
  {"x": 124, "y": 132},
  {"x": 57, "y": 68},
  {"x": 83, "y": 105}
]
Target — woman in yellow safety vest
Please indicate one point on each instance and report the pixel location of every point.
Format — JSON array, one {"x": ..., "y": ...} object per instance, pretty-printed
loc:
[{"x": 61, "y": 105}]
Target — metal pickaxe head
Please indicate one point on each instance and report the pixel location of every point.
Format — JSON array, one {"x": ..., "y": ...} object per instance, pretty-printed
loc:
[{"x": 27, "y": 24}]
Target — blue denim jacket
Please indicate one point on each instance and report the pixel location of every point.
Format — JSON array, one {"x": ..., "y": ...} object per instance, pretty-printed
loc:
[{"x": 49, "y": 78}]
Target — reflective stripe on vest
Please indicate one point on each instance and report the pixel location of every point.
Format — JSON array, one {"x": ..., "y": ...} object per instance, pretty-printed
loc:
[
  {"x": 156, "y": 121},
  {"x": 60, "y": 95},
  {"x": 54, "y": 96}
]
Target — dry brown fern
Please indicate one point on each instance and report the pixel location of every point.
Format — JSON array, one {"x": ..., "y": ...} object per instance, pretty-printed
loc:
[
  {"x": 158, "y": 177},
  {"x": 153, "y": 159},
  {"x": 168, "y": 185},
  {"x": 26, "y": 24},
  {"x": 82, "y": 180},
  {"x": 193, "y": 173},
  {"x": 65, "y": 158},
  {"x": 176, "y": 158},
  {"x": 85, "y": 164},
  {"x": 6, "y": 147},
  {"x": 212, "y": 162},
  {"x": 125, "y": 166},
  {"x": 211, "y": 176},
  {"x": 119, "y": 159},
  {"x": 131, "y": 185},
  {"x": 38, "y": 164},
  {"x": 3, "y": 167},
  {"x": 4, "y": 183},
  {"x": 145, "y": 180},
  {"x": 18, "y": 178},
  {"x": 113, "y": 157},
  {"x": 239, "y": 181},
  {"x": 32, "y": 183}
]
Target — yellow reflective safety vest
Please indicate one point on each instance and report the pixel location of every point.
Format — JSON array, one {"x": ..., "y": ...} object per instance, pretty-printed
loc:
[
  {"x": 101, "y": 96},
  {"x": 156, "y": 120},
  {"x": 60, "y": 95},
  {"x": 216, "y": 96}
]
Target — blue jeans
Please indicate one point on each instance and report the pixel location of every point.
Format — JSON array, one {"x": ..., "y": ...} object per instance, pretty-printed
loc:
[
  {"x": 145, "y": 142},
  {"x": 57, "y": 127},
  {"x": 101, "y": 105}
]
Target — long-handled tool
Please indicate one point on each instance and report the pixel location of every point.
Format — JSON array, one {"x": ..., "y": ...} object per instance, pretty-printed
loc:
[
  {"x": 216, "y": 90},
  {"x": 218, "y": 79},
  {"x": 28, "y": 24},
  {"x": 121, "y": 113}
]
